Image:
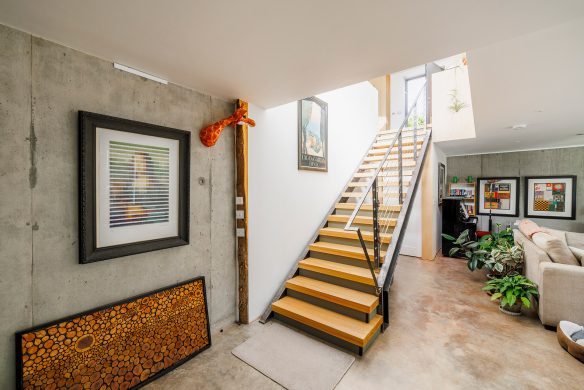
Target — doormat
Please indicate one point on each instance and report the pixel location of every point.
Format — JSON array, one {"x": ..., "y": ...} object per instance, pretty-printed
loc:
[
  {"x": 119, "y": 346},
  {"x": 293, "y": 359}
]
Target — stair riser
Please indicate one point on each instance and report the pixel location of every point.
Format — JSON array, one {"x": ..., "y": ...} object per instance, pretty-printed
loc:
[
  {"x": 367, "y": 228},
  {"x": 345, "y": 241},
  {"x": 341, "y": 259},
  {"x": 339, "y": 281},
  {"x": 365, "y": 317},
  {"x": 367, "y": 213},
  {"x": 321, "y": 335}
]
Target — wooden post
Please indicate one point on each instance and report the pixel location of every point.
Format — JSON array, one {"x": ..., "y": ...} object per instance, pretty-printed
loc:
[{"x": 241, "y": 224}]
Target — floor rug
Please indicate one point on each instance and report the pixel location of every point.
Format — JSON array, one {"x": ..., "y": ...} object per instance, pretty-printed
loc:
[{"x": 293, "y": 359}]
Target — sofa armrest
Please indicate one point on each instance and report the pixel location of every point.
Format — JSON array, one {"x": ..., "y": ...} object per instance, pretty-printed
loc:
[
  {"x": 533, "y": 256},
  {"x": 561, "y": 291}
]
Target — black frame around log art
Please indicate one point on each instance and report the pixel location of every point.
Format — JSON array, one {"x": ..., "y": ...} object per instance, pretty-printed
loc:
[
  {"x": 18, "y": 335},
  {"x": 88, "y": 252}
]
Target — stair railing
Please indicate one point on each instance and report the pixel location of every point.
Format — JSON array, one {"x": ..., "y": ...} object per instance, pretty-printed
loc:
[{"x": 387, "y": 206}]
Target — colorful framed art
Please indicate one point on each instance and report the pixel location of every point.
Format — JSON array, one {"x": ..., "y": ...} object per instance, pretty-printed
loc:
[
  {"x": 312, "y": 134},
  {"x": 119, "y": 346},
  {"x": 134, "y": 187},
  {"x": 498, "y": 196},
  {"x": 550, "y": 197}
]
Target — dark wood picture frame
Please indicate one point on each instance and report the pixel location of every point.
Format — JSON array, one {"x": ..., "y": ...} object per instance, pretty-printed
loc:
[
  {"x": 478, "y": 192},
  {"x": 573, "y": 202},
  {"x": 18, "y": 335},
  {"x": 441, "y": 182},
  {"x": 88, "y": 250},
  {"x": 324, "y": 122}
]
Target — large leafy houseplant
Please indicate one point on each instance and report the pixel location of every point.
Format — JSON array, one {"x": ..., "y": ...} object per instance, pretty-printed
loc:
[
  {"x": 505, "y": 259},
  {"x": 513, "y": 292},
  {"x": 495, "y": 251},
  {"x": 473, "y": 251}
]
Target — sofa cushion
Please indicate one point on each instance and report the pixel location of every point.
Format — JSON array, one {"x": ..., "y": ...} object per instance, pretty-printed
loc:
[
  {"x": 529, "y": 228},
  {"x": 556, "y": 248},
  {"x": 578, "y": 253},
  {"x": 575, "y": 239}
]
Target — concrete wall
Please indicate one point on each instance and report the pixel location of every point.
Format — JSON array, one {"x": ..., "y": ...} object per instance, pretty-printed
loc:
[
  {"x": 287, "y": 205},
  {"x": 548, "y": 162},
  {"x": 42, "y": 86}
]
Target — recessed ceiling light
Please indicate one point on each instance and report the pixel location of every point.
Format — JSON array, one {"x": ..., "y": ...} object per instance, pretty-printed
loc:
[{"x": 519, "y": 126}]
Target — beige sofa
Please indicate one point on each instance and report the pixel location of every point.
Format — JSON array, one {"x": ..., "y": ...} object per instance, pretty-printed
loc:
[{"x": 558, "y": 275}]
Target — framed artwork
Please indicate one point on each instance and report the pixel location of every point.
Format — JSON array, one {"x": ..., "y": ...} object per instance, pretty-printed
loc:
[
  {"x": 441, "y": 182},
  {"x": 498, "y": 196},
  {"x": 119, "y": 346},
  {"x": 313, "y": 134},
  {"x": 134, "y": 187},
  {"x": 550, "y": 197}
]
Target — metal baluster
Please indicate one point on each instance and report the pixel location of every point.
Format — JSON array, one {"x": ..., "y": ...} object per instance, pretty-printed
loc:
[
  {"x": 376, "y": 244},
  {"x": 399, "y": 167},
  {"x": 415, "y": 133}
]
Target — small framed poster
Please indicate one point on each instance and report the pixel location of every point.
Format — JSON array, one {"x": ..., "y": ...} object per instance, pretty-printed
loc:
[
  {"x": 498, "y": 196},
  {"x": 550, "y": 197},
  {"x": 441, "y": 182},
  {"x": 313, "y": 134},
  {"x": 133, "y": 187}
]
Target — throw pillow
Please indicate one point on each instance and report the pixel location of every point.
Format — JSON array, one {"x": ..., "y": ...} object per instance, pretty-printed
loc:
[
  {"x": 575, "y": 239},
  {"x": 578, "y": 253},
  {"x": 555, "y": 248},
  {"x": 529, "y": 228}
]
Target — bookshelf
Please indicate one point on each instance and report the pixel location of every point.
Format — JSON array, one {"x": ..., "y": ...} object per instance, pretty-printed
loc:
[{"x": 467, "y": 191}]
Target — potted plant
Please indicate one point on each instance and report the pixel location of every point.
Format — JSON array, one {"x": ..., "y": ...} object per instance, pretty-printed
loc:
[
  {"x": 497, "y": 251},
  {"x": 473, "y": 251},
  {"x": 504, "y": 260},
  {"x": 513, "y": 293}
]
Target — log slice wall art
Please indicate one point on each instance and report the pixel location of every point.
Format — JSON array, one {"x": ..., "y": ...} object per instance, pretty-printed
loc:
[{"x": 119, "y": 346}]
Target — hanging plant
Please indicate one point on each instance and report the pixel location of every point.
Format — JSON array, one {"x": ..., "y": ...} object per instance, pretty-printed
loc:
[{"x": 456, "y": 104}]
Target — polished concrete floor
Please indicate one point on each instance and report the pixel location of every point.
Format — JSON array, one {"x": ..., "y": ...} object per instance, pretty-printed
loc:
[{"x": 444, "y": 334}]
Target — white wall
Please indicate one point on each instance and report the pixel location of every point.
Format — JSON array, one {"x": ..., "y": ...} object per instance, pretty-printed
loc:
[
  {"x": 286, "y": 205},
  {"x": 446, "y": 124}
]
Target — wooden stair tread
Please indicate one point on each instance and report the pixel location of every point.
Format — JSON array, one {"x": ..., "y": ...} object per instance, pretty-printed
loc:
[
  {"x": 342, "y": 233},
  {"x": 392, "y": 157},
  {"x": 405, "y": 142},
  {"x": 345, "y": 328},
  {"x": 367, "y": 207},
  {"x": 338, "y": 270},
  {"x": 383, "y": 173},
  {"x": 358, "y": 194},
  {"x": 379, "y": 184},
  {"x": 351, "y": 251},
  {"x": 343, "y": 296},
  {"x": 392, "y": 167},
  {"x": 361, "y": 220},
  {"x": 376, "y": 152}
]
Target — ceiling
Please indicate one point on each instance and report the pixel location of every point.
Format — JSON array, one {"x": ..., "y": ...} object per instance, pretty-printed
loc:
[
  {"x": 273, "y": 52},
  {"x": 536, "y": 79}
]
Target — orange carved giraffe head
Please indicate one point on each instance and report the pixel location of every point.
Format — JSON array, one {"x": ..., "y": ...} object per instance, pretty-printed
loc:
[{"x": 210, "y": 134}]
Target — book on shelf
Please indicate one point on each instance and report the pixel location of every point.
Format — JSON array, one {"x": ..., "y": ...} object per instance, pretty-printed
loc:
[{"x": 467, "y": 193}]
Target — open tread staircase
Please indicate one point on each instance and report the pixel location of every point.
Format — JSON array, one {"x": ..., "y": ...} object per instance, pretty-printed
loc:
[{"x": 332, "y": 293}]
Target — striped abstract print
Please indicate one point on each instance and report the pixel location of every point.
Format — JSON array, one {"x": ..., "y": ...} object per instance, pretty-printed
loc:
[{"x": 138, "y": 184}]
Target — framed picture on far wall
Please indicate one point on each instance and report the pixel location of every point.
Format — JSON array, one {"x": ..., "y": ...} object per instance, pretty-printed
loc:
[
  {"x": 498, "y": 196},
  {"x": 133, "y": 187},
  {"x": 441, "y": 182},
  {"x": 313, "y": 134},
  {"x": 550, "y": 197}
]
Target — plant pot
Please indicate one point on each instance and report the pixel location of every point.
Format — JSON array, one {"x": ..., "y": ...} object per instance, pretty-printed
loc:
[{"x": 514, "y": 310}]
